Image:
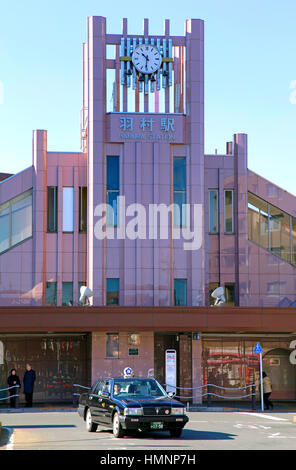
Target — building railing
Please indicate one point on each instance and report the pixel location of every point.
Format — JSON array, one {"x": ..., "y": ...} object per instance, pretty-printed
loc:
[
  {"x": 9, "y": 388},
  {"x": 209, "y": 393}
]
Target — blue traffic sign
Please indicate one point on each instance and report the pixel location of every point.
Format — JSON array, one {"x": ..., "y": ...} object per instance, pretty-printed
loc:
[{"x": 258, "y": 349}]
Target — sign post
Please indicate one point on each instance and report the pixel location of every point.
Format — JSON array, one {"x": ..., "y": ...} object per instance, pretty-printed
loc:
[
  {"x": 171, "y": 370},
  {"x": 258, "y": 350}
]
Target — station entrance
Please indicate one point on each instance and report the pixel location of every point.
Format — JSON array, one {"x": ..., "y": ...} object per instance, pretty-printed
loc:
[{"x": 59, "y": 360}]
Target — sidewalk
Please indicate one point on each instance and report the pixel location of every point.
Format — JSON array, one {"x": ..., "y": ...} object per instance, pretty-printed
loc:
[{"x": 279, "y": 407}]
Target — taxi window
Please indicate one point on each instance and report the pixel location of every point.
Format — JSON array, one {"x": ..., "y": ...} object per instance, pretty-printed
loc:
[
  {"x": 132, "y": 387},
  {"x": 106, "y": 387},
  {"x": 97, "y": 388}
]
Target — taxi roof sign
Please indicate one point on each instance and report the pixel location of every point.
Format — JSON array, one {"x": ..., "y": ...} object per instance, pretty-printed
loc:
[
  {"x": 258, "y": 349},
  {"x": 128, "y": 372}
]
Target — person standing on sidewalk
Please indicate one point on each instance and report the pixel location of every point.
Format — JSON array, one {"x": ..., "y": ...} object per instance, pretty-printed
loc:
[
  {"x": 13, "y": 380},
  {"x": 267, "y": 389},
  {"x": 29, "y": 379}
]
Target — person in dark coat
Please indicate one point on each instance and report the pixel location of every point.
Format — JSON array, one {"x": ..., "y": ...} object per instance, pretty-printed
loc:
[
  {"x": 12, "y": 380},
  {"x": 29, "y": 379}
]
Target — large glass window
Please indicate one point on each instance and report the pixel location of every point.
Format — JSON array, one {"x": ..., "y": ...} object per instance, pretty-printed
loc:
[
  {"x": 67, "y": 299},
  {"x": 272, "y": 228},
  {"x": 279, "y": 226},
  {"x": 83, "y": 209},
  {"x": 179, "y": 191},
  {"x": 4, "y": 227},
  {"x": 52, "y": 209},
  {"x": 112, "y": 291},
  {"x": 213, "y": 211},
  {"x": 15, "y": 221},
  {"x": 228, "y": 211},
  {"x": 68, "y": 209},
  {"x": 180, "y": 291},
  {"x": 112, "y": 189}
]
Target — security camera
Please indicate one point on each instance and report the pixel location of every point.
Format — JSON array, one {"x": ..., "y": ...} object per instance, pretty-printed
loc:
[
  {"x": 85, "y": 294},
  {"x": 218, "y": 294}
]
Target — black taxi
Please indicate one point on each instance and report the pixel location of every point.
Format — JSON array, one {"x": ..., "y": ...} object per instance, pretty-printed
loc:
[{"x": 124, "y": 404}]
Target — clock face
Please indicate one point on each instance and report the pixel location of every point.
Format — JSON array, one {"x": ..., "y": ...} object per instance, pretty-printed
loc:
[{"x": 146, "y": 58}]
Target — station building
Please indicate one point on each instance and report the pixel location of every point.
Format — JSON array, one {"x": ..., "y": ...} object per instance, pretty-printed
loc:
[{"x": 152, "y": 225}]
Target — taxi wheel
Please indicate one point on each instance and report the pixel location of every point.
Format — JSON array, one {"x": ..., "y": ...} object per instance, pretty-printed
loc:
[
  {"x": 117, "y": 429},
  {"x": 90, "y": 426},
  {"x": 176, "y": 432}
]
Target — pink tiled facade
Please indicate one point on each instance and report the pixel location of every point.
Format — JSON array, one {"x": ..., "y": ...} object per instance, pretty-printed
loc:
[{"x": 146, "y": 142}]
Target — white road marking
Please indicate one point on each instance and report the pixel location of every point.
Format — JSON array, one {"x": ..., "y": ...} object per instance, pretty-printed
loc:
[
  {"x": 250, "y": 426},
  {"x": 259, "y": 415}
]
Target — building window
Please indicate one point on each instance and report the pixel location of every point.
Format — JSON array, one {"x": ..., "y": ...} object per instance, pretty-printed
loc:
[
  {"x": 112, "y": 189},
  {"x": 228, "y": 211},
  {"x": 67, "y": 299},
  {"x": 112, "y": 291},
  {"x": 229, "y": 293},
  {"x": 51, "y": 293},
  {"x": 112, "y": 345},
  {"x": 271, "y": 228},
  {"x": 213, "y": 211},
  {"x": 68, "y": 209},
  {"x": 179, "y": 191},
  {"x": 15, "y": 221},
  {"x": 83, "y": 209},
  {"x": 180, "y": 291},
  {"x": 52, "y": 208}
]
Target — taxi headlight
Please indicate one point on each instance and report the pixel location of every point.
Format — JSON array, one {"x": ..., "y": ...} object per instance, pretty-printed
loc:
[
  {"x": 133, "y": 411},
  {"x": 178, "y": 411}
]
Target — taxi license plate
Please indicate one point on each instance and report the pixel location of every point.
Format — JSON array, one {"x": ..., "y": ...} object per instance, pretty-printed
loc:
[{"x": 156, "y": 425}]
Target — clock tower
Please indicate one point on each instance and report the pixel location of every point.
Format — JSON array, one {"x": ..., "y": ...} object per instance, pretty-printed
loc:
[{"x": 143, "y": 135}]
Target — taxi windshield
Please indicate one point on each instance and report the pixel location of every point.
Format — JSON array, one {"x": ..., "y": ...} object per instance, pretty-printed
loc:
[{"x": 137, "y": 388}]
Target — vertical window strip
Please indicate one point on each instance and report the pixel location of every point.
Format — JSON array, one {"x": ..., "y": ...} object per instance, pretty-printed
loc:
[
  {"x": 52, "y": 208},
  {"x": 68, "y": 209},
  {"x": 82, "y": 209},
  {"x": 228, "y": 211},
  {"x": 213, "y": 211},
  {"x": 179, "y": 185},
  {"x": 180, "y": 292},
  {"x": 112, "y": 189},
  {"x": 112, "y": 291}
]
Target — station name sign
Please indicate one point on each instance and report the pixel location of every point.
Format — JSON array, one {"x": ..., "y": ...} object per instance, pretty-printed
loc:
[{"x": 138, "y": 127}]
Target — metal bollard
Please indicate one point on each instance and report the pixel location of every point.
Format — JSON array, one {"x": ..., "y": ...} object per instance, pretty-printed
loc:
[
  {"x": 208, "y": 395},
  {"x": 253, "y": 397}
]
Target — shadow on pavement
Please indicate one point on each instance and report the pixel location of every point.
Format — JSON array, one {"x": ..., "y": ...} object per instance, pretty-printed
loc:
[{"x": 187, "y": 435}]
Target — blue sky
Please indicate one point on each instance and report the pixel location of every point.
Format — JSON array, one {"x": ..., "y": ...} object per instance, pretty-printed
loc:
[{"x": 249, "y": 68}]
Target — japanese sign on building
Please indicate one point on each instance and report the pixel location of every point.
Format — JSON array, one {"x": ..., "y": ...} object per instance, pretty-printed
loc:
[{"x": 137, "y": 127}]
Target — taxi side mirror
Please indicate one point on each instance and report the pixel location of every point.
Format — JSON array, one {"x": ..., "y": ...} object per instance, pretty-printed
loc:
[
  {"x": 105, "y": 394},
  {"x": 171, "y": 394}
]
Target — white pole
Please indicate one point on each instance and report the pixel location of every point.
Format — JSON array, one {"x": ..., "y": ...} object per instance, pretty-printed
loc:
[{"x": 261, "y": 383}]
